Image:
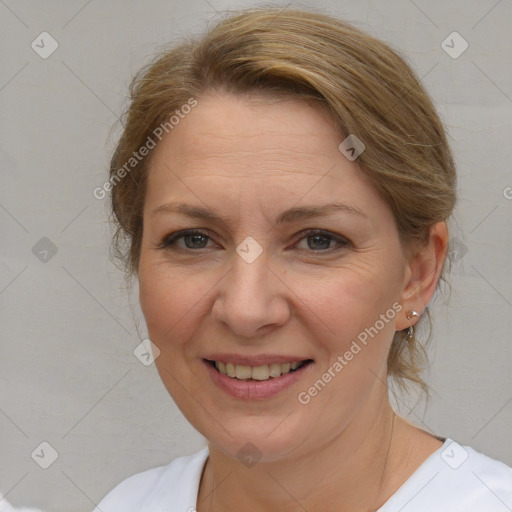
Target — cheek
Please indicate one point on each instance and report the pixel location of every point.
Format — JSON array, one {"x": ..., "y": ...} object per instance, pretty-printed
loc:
[
  {"x": 172, "y": 308},
  {"x": 176, "y": 303},
  {"x": 349, "y": 299},
  {"x": 157, "y": 304},
  {"x": 166, "y": 299},
  {"x": 360, "y": 318},
  {"x": 351, "y": 317}
]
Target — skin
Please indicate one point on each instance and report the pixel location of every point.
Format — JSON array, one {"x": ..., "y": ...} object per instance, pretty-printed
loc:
[{"x": 248, "y": 159}]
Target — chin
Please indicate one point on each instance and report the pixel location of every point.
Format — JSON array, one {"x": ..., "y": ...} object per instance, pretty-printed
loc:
[{"x": 267, "y": 439}]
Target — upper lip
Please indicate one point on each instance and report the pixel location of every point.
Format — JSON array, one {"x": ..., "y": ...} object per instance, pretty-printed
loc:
[{"x": 257, "y": 360}]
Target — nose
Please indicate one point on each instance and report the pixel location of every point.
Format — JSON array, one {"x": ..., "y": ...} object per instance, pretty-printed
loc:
[{"x": 251, "y": 300}]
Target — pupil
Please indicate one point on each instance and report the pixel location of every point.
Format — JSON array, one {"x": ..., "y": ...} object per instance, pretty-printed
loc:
[
  {"x": 319, "y": 242},
  {"x": 196, "y": 241}
]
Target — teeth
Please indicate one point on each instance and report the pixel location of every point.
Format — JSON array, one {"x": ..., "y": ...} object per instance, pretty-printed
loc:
[
  {"x": 263, "y": 372},
  {"x": 260, "y": 372},
  {"x": 275, "y": 370},
  {"x": 242, "y": 372},
  {"x": 230, "y": 370}
]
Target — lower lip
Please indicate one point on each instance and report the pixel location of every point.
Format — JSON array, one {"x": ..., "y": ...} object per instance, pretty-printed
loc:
[{"x": 255, "y": 389}]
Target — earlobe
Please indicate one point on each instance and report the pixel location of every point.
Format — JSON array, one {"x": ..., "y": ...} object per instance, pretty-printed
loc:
[{"x": 422, "y": 275}]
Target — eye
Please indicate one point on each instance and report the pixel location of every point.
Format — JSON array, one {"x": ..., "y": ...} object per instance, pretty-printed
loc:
[
  {"x": 314, "y": 240},
  {"x": 321, "y": 241},
  {"x": 187, "y": 239}
]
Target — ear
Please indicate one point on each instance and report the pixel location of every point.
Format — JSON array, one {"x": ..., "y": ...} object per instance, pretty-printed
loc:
[{"x": 423, "y": 269}]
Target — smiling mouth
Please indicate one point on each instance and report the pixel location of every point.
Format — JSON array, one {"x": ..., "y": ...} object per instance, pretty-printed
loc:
[{"x": 259, "y": 373}]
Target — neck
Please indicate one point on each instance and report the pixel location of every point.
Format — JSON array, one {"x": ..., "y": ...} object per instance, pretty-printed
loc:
[{"x": 358, "y": 471}]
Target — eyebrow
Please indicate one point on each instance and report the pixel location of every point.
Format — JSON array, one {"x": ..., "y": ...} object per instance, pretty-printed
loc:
[{"x": 291, "y": 215}]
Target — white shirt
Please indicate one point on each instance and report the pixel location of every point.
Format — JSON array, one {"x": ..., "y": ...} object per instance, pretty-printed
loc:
[
  {"x": 5, "y": 506},
  {"x": 452, "y": 479}
]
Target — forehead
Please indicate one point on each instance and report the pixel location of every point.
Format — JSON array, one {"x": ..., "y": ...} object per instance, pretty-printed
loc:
[
  {"x": 244, "y": 135},
  {"x": 266, "y": 154}
]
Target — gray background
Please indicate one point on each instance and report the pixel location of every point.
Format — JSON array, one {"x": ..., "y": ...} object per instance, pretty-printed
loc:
[{"x": 68, "y": 375}]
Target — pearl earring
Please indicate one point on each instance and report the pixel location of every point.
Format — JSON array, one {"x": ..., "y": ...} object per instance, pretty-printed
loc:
[{"x": 410, "y": 315}]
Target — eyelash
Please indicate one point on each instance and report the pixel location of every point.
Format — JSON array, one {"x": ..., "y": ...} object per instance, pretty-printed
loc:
[{"x": 169, "y": 242}]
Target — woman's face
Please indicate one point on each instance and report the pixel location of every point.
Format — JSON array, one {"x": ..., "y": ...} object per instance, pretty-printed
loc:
[{"x": 293, "y": 258}]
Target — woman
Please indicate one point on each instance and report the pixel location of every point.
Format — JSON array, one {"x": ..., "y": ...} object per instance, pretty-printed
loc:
[{"x": 283, "y": 185}]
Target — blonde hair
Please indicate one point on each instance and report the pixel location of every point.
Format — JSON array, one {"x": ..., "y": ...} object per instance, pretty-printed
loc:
[{"x": 365, "y": 86}]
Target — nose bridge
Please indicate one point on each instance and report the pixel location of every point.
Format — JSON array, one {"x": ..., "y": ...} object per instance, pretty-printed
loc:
[
  {"x": 249, "y": 281},
  {"x": 250, "y": 297}
]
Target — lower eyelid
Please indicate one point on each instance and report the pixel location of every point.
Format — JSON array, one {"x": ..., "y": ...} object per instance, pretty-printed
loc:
[{"x": 338, "y": 246}]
